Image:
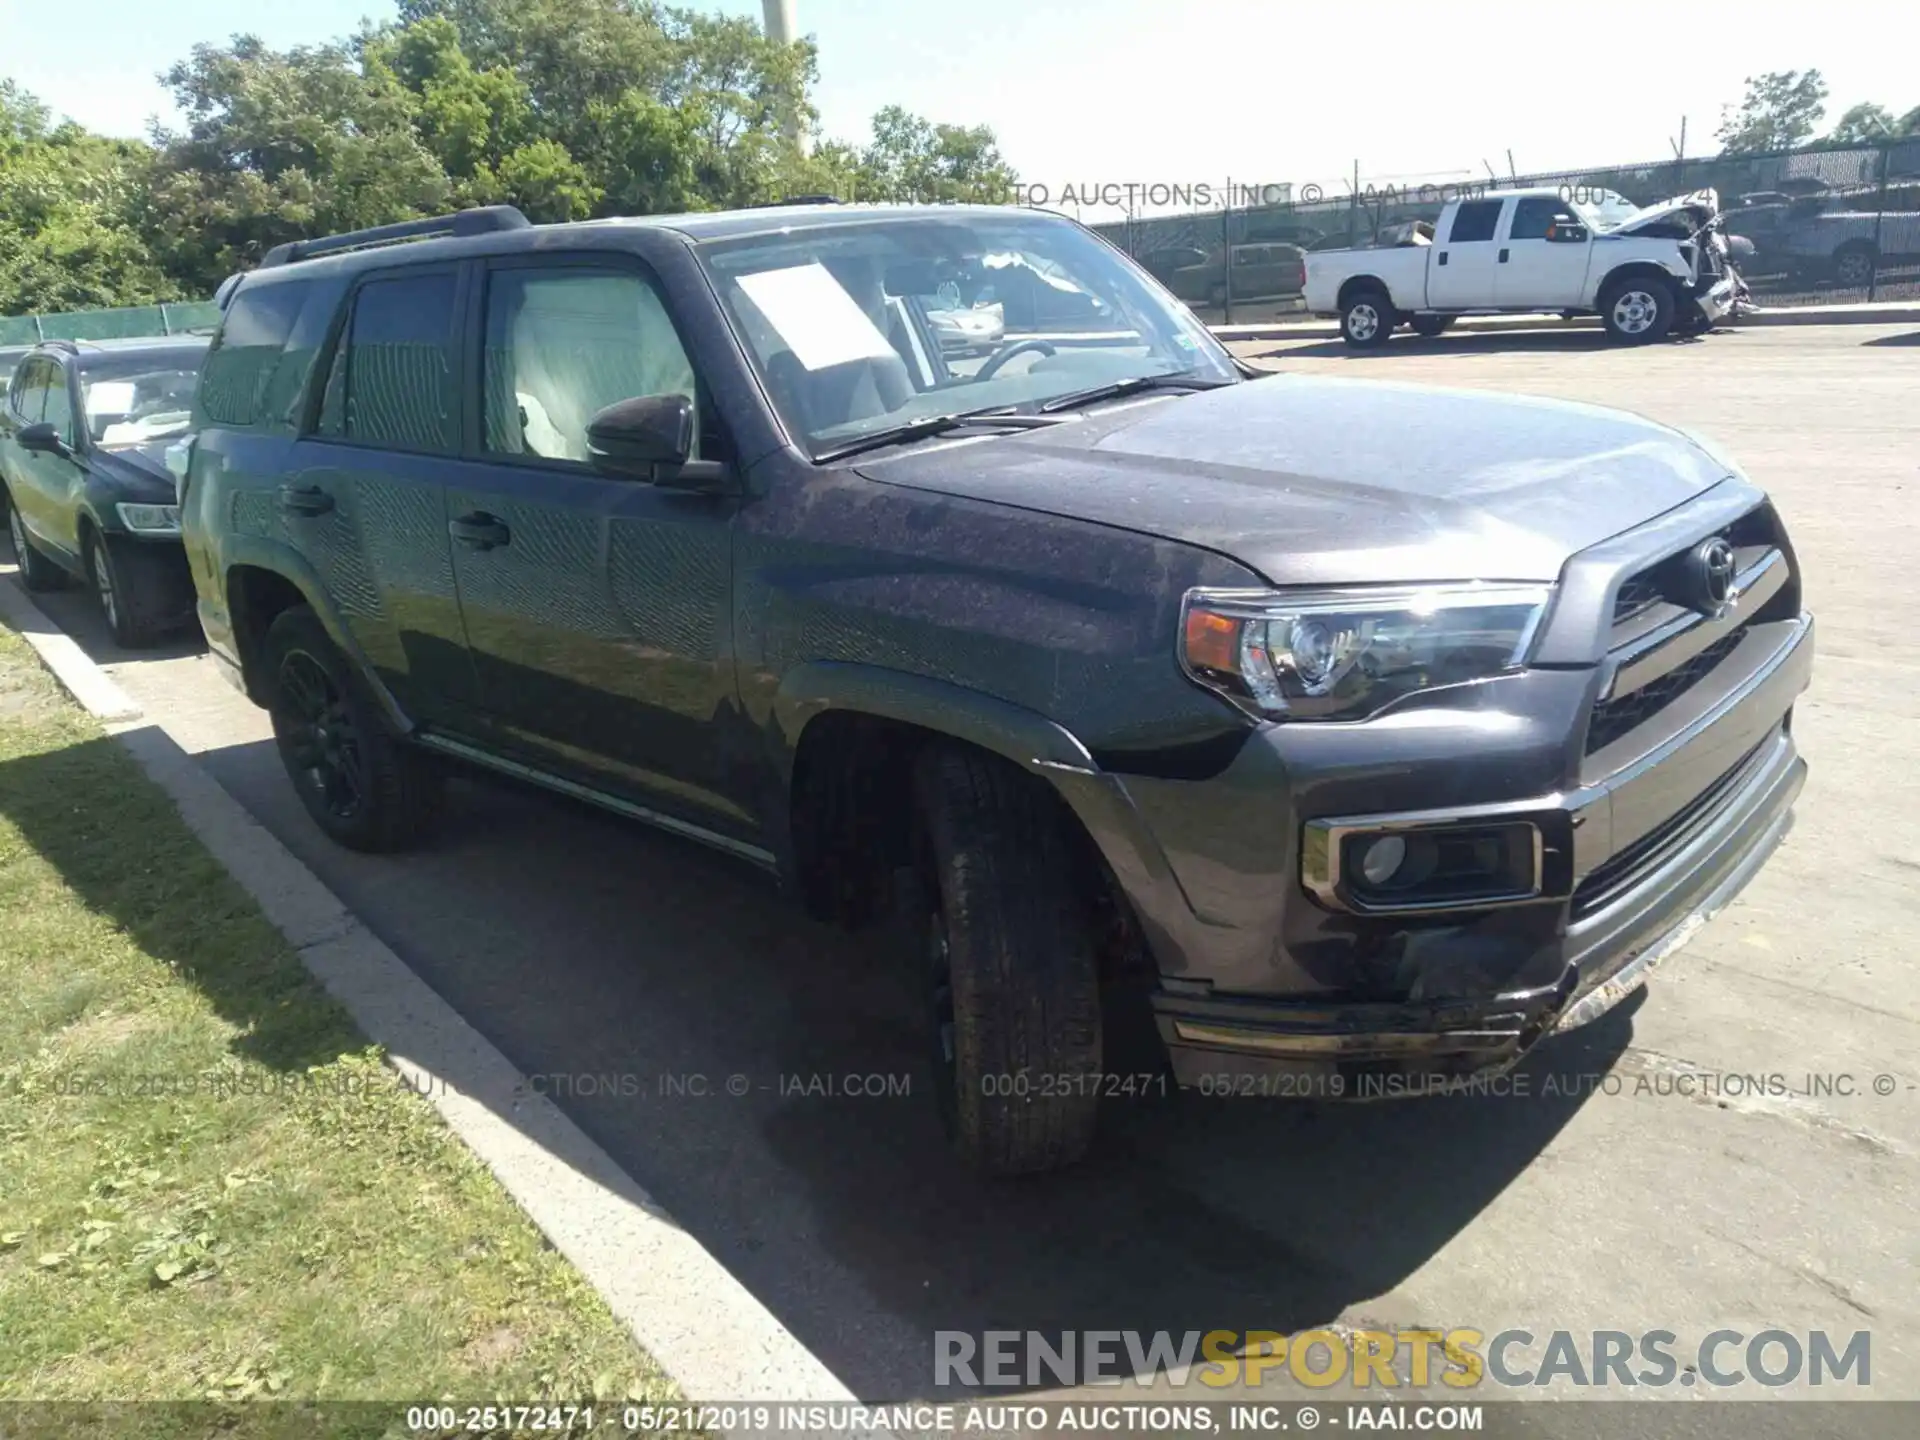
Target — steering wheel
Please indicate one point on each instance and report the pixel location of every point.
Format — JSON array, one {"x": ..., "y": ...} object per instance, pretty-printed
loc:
[{"x": 1006, "y": 353}]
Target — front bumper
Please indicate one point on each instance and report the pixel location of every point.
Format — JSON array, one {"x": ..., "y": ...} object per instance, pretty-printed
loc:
[
  {"x": 1657, "y": 848},
  {"x": 1722, "y": 298}
]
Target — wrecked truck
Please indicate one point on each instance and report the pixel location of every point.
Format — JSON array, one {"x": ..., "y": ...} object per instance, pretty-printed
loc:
[{"x": 1647, "y": 273}]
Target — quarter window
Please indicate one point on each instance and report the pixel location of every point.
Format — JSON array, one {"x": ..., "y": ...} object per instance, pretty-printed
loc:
[
  {"x": 238, "y": 384},
  {"x": 30, "y": 391},
  {"x": 1474, "y": 220},
  {"x": 393, "y": 373},
  {"x": 59, "y": 411},
  {"x": 564, "y": 344}
]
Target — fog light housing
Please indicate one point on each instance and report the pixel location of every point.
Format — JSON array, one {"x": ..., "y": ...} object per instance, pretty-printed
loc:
[{"x": 1389, "y": 866}]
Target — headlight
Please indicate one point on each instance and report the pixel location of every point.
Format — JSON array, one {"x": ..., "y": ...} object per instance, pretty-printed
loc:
[
  {"x": 1344, "y": 654},
  {"x": 150, "y": 519}
]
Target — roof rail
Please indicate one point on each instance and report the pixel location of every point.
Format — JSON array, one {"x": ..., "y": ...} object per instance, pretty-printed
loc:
[
  {"x": 797, "y": 200},
  {"x": 60, "y": 342},
  {"x": 480, "y": 221}
]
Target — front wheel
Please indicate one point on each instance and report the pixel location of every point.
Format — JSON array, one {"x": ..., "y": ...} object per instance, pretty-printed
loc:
[
  {"x": 1368, "y": 319},
  {"x": 361, "y": 783},
  {"x": 1853, "y": 266},
  {"x": 1011, "y": 966},
  {"x": 1637, "y": 310},
  {"x": 128, "y": 591}
]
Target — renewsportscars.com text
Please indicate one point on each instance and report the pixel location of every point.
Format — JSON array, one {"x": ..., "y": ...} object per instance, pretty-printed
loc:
[{"x": 1387, "y": 1359}]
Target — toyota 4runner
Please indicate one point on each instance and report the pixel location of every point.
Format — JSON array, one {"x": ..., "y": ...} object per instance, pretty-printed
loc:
[{"x": 1368, "y": 731}]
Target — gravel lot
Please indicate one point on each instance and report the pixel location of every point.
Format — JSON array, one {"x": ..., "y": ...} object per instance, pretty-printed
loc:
[{"x": 586, "y": 947}]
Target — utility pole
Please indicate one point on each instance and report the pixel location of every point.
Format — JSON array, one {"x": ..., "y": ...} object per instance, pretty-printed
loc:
[{"x": 783, "y": 28}]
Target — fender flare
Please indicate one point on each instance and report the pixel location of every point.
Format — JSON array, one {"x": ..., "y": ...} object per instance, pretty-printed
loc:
[{"x": 279, "y": 558}]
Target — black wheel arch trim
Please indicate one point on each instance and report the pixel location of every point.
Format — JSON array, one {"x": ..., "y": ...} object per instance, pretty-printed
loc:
[{"x": 1042, "y": 747}]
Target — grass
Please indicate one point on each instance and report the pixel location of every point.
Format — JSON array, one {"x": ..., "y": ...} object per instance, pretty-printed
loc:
[{"x": 211, "y": 1188}]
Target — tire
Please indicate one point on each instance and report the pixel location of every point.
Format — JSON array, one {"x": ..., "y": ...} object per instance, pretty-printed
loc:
[
  {"x": 37, "y": 572},
  {"x": 123, "y": 585},
  {"x": 1428, "y": 326},
  {"x": 1637, "y": 310},
  {"x": 1854, "y": 264},
  {"x": 1012, "y": 966},
  {"x": 1692, "y": 321},
  {"x": 1368, "y": 319},
  {"x": 359, "y": 781}
]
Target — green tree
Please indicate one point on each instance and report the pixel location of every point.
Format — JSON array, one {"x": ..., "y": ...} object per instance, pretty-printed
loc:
[
  {"x": 1863, "y": 122},
  {"x": 910, "y": 158},
  {"x": 280, "y": 145},
  {"x": 1909, "y": 123},
  {"x": 1779, "y": 111}
]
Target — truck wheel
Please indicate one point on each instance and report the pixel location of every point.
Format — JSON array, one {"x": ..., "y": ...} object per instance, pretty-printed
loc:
[
  {"x": 1637, "y": 310},
  {"x": 122, "y": 585},
  {"x": 1853, "y": 265},
  {"x": 1429, "y": 326},
  {"x": 359, "y": 782},
  {"x": 1368, "y": 319},
  {"x": 37, "y": 572},
  {"x": 1013, "y": 978}
]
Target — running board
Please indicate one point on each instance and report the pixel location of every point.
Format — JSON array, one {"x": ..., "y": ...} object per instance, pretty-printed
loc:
[{"x": 574, "y": 790}]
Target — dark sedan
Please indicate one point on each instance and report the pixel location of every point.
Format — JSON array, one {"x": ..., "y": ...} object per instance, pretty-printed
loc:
[{"x": 84, "y": 436}]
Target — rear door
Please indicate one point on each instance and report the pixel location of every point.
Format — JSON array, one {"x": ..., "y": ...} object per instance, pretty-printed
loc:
[
  {"x": 597, "y": 609},
  {"x": 1462, "y": 265},
  {"x": 1532, "y": 266},
  {"x": 364, "y": 500}
]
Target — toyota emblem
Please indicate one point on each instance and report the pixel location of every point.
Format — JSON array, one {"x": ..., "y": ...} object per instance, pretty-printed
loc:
[{"x": 1710, "y": 573}]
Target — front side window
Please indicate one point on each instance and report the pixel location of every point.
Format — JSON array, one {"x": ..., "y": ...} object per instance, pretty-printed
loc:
[
  {"x": 1534, "y": 216},
  {"x": 563, "y": 344},
  {"x": 393, "y": 377},
  {"x": 59, "y": 411},
  {"x": 1475, "y": 220},
  {"x": 861, "y": 327}
]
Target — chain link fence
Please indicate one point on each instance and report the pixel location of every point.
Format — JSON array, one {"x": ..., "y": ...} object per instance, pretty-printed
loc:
[
  {"x": 128, "y": 323},
  {"x": 1831, "y": 225}
]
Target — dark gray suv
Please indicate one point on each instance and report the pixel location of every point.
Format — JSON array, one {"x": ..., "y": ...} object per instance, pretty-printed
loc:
[{"x": 1362, "y": 734}]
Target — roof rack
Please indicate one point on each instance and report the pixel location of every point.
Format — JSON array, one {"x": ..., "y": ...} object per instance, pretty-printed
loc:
[
  {"x": 797, "y": 200},
  {"x": 480, "y": 221},
  {"x": 60, "y": 342}
]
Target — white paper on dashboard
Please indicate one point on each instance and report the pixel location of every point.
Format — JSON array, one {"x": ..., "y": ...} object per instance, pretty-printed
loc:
[
  {"x": 819, "y": 320},
  {"x": 110, "y": 397}
]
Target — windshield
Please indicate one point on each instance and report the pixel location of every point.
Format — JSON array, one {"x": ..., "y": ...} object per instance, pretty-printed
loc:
[
  {"x": 136, "y": 404},
  {"x": 864, "y": 327}
]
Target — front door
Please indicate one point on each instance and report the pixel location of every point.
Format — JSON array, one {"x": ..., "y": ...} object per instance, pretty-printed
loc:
[
  {"x": 597, "y": 609},
  {"x": 1462, "y": 265},
  {"x": 1536, "y": 268}
]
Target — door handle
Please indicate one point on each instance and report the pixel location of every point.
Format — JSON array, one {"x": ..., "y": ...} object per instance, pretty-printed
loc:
[
  {"x": 480, "y": 530},
  {"x": 305, "y": 500},
  {"x": 1503, "y": 257},
  {"x": 1443, "y": 257}
]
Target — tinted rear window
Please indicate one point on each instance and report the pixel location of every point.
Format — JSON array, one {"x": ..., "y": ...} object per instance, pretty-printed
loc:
[
  {"x": 1474, "y": 220},
  {"x": 398, "y": 385}
]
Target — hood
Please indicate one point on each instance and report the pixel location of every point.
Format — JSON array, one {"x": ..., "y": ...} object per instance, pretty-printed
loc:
[
  {"x": 1314, "y": 481},
  {"x": 136, "y": 469},
  {"x": 1695, "y": 210}
]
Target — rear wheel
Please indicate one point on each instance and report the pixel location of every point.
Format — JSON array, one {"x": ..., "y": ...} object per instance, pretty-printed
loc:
[
  {"x": 1011, "y": 966},
  {"x": 1431, "y": 325},
  {"x": 359, "y": 781},
  {"x": 1637, "y": 310},
  {"x": 1853, "y": 265},
  {"x": 1367, "y": 319},
  {"x": 37, "y": 572}
]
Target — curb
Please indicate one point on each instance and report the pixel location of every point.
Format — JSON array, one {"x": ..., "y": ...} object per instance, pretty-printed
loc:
[
  {"x": 699, "y": 1323},
  {"x": 1799, "y": 315}
]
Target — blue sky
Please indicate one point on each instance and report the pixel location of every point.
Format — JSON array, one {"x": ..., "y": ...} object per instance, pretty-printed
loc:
[{"x": 1118, "y": 91}]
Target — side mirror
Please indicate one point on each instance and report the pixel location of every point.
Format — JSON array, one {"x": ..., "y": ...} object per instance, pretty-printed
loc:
[
  {"x": 41, "y": 438},
  {"x": 648, "y": 438},
  {"x": 1567, "y": 234}
]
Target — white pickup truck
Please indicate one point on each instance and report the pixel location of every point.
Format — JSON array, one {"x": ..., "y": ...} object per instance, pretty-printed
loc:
[{"x": 1644, "y": 272}]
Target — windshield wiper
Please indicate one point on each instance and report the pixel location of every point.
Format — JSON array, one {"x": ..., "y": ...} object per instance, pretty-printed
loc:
[
  {"x": 938, "y": 425},
  {"x": 1175, "y": 380}
]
